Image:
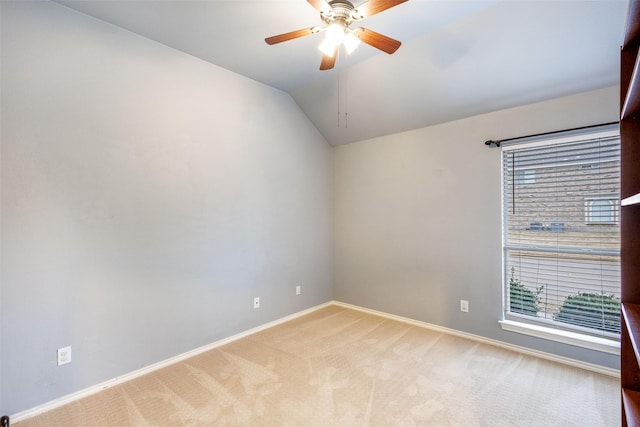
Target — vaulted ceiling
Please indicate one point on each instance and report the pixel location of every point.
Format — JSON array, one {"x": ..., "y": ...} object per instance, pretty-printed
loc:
[{"x": 458, "y": 58}]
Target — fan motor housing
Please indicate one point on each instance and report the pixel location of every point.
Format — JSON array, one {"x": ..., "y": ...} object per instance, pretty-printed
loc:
[{"x": 342, "y": 12}]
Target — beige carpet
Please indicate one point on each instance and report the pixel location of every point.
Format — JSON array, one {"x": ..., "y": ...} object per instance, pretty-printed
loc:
[{"x": 340, "y": 367}]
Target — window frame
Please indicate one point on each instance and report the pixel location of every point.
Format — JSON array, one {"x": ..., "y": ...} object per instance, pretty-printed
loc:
[{"x": 544, "y": 328}]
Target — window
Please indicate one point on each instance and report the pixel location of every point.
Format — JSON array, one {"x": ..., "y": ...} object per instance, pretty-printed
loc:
[
  {"x": 525, "y": 176},
  {"x": 561, "y": 271},
  {"x": 601, "y": 211}
]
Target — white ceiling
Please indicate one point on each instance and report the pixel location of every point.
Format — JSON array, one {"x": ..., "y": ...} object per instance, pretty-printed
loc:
[{"x": 458, "y": 58}]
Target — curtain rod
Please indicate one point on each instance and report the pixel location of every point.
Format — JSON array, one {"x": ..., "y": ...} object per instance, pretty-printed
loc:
[{"x": 496, "y": 143}]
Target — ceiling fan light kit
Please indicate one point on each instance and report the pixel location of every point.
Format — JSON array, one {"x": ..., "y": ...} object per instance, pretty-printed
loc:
[
  {"x": 337, "y": 16},
  {"x": 350, "y": 42},
  {"x": 335, "y": 34}
]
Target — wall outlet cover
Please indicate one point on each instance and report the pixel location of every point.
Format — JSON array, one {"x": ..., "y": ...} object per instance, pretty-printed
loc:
[
  {"x": 64, "y": 355},
  {"x": 464, "y": 306}
]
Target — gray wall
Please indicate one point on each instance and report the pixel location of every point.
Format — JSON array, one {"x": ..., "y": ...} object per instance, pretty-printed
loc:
[
  {"x": 147, "y": 197},
  {"x": 417, "y": 218}
]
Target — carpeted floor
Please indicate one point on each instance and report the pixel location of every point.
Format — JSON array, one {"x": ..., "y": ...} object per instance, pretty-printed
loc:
[{"x": 340, "y": 367}]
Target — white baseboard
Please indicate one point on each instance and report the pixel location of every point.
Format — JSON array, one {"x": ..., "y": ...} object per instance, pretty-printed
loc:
[
  {"x": 523, "y": 350},
  {"x": 21, "y": 416}
]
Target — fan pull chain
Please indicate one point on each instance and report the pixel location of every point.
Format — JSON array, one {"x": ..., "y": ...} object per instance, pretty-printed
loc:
[
  {"x": 345, "y": 96},
  {"x": 338, "y": 98},
  {"x": 346, "y": 102}
]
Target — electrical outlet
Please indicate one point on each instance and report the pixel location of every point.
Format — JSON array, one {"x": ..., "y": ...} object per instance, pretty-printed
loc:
[
  {"x": 256, "y": 302},
  {"x": 64, "y": 355},
  {"x": 464, "y": 305},
  {"x": 298, "y": 290}
]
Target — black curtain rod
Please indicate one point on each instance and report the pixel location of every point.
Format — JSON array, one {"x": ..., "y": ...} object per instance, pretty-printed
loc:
[{"x": 494, "y": 143}]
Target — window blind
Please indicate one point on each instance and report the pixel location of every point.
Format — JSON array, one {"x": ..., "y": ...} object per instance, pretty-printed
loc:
[{"x": 562, "y": 233}]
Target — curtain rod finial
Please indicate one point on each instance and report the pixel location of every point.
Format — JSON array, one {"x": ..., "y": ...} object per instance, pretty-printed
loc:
[{"x": 492, "y": 144}]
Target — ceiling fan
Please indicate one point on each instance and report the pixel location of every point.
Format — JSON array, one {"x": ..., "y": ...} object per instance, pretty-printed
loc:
[{"x": 337, "y": 16}]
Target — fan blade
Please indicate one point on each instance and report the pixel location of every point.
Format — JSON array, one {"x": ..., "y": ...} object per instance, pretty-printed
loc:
[
  {"x": 291, "y": 35},
  {"x": 329, "y": 61},
  {"x": 377, "y": 40},
  {"x": 372, "y": 7},
  {"x": 320, "y": 5}
]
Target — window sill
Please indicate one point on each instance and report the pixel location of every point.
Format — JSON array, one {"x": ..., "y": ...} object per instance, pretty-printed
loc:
[{"x": 572, "y": 338}]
